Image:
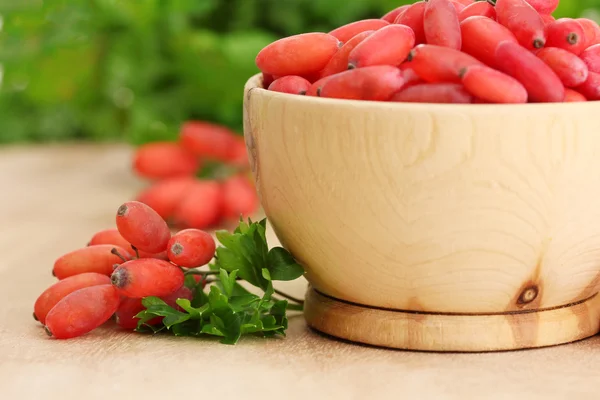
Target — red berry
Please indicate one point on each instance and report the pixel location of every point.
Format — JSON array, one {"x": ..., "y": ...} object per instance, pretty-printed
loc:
[
  {"x": 207, "y": 140},
  {"x": 523, "y": 21},
  {"x": 298, "y": 55},
  {"x": 290, "y": 84},
  {"x": 458, "y": 6},
  {"x": 238, "y": 155},
  {"x": 571, "y": 70},
  {"x": 391, "y": 16},
  {"x": 339, "y": 62},
  {"x": 439, "y": 64},
  {"x": 566, "y": 33},
  {"x": 572, "y": 96},
  {"x": 315, "y": 87},
  {"x": 591, "y": 88},
  {"x": 465, "y": 3},
  {"x": 112, "y": 236},
  {"x": 479, "y": 8},
  {"x": 591, "y": 57},
  {"x": 267, "y": 80},
  {"x": 147, "y": 277},
  {"x": 164, "y": 196},
  {"x": 129, "y": 308},
  {"x": 548, "y": 19},
  {"x": 376, "y": 83},
  {"x": 388, "y": 46},
  {"x": 61, "y": 289},
  {"x": 441, "y": 24},
  {"x": 434, "y": 93},
  {"x": 542, "y": 84},
  {"x": 348, "y": 31},
  {"x": 82, "y": 311},
  {"x": 161, "y": 160},
  {"x": 201, "y": 207},
  {"x": 96, "y": 258},
  {"x": 413, "y": 17},
  {"x": 239, "y": 197},
  {"x": 544, "y": 6},
  {"x": 141, "y": 226},
  {"x": 191, "y": 248},
  {"x": 592, "y": 31},
  {"x": 493, "y": 86},
  {"x": 481, "y": 36},
  {"x": 409, "y": 75}
]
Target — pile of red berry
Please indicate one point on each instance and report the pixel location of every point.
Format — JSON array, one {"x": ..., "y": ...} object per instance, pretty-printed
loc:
[
  {"x": 444, "y": 51},
  {"x": 201, "y": 181},
  {"x": 117, "y": 269}
]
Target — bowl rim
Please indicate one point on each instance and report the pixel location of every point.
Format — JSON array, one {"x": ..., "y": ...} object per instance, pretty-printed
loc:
[{"x": 254, "y": 84}]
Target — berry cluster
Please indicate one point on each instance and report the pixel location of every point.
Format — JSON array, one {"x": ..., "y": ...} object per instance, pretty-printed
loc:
[
  {"x": 444, "y": 51},
  {"x": 120, "y": 267},
  {"x": 200, "y": 182}
]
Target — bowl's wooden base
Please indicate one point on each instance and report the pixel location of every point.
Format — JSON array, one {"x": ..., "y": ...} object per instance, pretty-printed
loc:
[{"x": 452, "y": 332}]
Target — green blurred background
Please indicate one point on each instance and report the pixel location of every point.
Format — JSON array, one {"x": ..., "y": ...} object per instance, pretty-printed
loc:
[{"x": 134, "y": 70}]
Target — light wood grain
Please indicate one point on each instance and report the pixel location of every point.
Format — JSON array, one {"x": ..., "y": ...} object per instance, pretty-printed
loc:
[
  {"x": 54, "y": 197},
  {"x": 433, "y": 208}
]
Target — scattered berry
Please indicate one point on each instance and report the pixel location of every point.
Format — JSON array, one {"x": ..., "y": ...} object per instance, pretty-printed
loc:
[
  {"x": 98, "y": 258},
  {"x": 201, "y": 207},
  {"x": 141, "y": 226},
  {"x": 164, "y": 196},
  {"x": 147, "y": 277},
  {"x": 191, "y": 248},
  {"x": 112, "y": 236},
  {"x": 82, "y": 311},
  {"x": 239, "y": 198},
  {"x": 207, "y": 140},
  {"x": 161, "y": 160}
]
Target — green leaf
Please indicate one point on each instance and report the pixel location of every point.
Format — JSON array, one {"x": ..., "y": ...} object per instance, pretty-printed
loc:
[
  {"x": 282, "y": 265},
  {"x": 266, "y": 274},
  {"x": 243, "y": 302},
  {"x": 210, "y": 329},
  {"x": 152, "y": 301},
  {"x": 217, "y": 300},
  {"x": 228, "y": 281},
  {"x": 231, "y": 325},
  {"x": 195, "y": 313}
]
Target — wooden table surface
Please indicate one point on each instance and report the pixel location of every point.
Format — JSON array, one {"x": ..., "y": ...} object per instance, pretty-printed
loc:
[{"x": 53, "y": 198}]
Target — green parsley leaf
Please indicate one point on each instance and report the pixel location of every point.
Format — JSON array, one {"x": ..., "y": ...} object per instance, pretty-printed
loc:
[
  {"x": 228, "y": 281},
  {"x": 282, "y": 265}
]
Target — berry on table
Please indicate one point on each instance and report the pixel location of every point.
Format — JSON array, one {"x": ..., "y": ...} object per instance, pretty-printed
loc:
[
  {"x": 191, "y": 248},
  {"x": 141, "y": 226},
  {"x": 147, "y": 277},
  {"x": 98, "y": 259}
]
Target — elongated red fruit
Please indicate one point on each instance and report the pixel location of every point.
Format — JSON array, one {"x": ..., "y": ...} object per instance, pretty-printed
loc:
[
  {"x": 388, "y": 46},
  {"x": 523, "y": 21},
  {"x": 493, "y": 86},
  {"x": 348, "y": 31},
  {"x": 548, "y": 19},
  {"x": 566, "y": 33},
  {"x": 392, "y": 15},
  {"x": 315, "y": 87},
  {"x": 465, "y": 2},
  {"x": 97, "y": 259},
  {"x": 478, "y": 9},
  {"x": 441, "y": 24},
  {"x": 439, "y": 64},
  {"x": 591, "y": 57},
  {"x": 298, "y": 55},
  {"x": 414, "y": 17},
  {"x": 164, "y": 196},
  {"x": 141, "y": 226},
  {"x": 544, "y": 6},
  {"x": 207, "y": 140},
  {"x": 191, "y": 248},
  {"x": 409, "y": 75},
  {"x": 48, "y": 299},
  {"x": 376, "y": 83},
  {"x": 129, "y": 308},
  {"x": 572, "y": 96},
  {"x": 339, "y": 62},
  {"x": 161, "y": 160},
  {"x": 240, "y": 199},
  {"x": 591, "y": 87},
  {"x": 592, "y": 31},
  {"x": 481, "y": 36},
  {"x": 147, "y": 277},
  {"x": 112, "y": 236},
  {"x": 82, "y": 311},
  {"x": 571, "y": 70},
  {"x": 290, "y": 84},
  {"x": 434, "y": 93},
  {"x": 201, "y": 207},
  {"x": 542, "y": 84}
]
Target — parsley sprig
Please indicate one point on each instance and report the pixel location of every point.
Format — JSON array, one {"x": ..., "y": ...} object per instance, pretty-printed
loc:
[{"x": 224, "y": 308}]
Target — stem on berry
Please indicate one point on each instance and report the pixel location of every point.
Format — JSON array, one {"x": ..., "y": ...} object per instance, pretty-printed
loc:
[
  {"x": 116, "y": 253},
  {"x": 289, "y": 297},
  {"x": 573, "y": 38},
  {"x": 137, "y": 253}
]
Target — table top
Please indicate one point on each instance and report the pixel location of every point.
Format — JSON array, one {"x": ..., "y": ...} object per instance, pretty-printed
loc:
[{"x": 53, "y": 198}]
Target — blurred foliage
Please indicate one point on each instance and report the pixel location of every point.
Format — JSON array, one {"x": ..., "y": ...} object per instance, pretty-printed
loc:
[{"x": 136, "y": 69}]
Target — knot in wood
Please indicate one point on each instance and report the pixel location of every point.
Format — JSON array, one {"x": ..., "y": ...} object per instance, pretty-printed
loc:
[{"x": 528, "y": 295}]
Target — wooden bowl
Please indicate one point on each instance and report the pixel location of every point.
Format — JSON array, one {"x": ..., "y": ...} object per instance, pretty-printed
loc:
[{"x": 435, "y": 227}]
